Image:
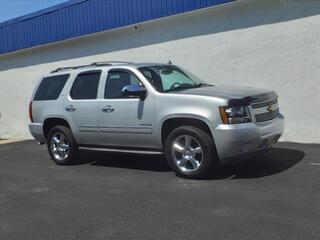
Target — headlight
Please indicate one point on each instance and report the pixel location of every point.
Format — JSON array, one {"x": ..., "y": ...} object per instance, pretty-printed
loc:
[{"x": 235, "y": 114}]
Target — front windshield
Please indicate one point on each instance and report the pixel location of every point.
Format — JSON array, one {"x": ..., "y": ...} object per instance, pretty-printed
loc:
[{"x": 168, "y": 78}]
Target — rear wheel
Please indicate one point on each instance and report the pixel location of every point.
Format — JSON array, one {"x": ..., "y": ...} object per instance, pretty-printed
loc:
[
  {"x": 190, "y": 152},
  {"x": 62, "y": 146}
]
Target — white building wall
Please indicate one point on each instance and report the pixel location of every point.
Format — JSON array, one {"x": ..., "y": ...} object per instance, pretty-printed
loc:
[{"x": 261, "y": 43}]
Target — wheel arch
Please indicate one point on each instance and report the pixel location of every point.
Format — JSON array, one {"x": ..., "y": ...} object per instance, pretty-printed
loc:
[
  {"x": 171, "y": 123},
  {"x": 51, "y": 122}
]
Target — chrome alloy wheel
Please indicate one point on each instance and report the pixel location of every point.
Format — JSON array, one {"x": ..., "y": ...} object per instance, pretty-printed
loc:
[
  {"x": 59, "y": 146},
  {"x": 187, "y": 153}
]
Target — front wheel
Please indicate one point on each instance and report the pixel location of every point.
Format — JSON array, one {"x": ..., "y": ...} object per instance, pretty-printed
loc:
[
  {"x": 190, "y": 152},
  {"x": 62, "y": 146}
]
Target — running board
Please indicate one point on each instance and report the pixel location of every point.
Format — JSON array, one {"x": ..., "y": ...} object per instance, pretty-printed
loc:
[{"x": 117, "y": 150}]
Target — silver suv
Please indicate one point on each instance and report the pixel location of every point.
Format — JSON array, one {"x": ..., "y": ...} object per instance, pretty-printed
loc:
[{"x": 152, "y": 109}]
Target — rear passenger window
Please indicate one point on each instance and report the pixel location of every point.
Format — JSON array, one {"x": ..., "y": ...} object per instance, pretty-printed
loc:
[
  {"x": 85, "y": 85},
  {"x": 51, "y": 87}
]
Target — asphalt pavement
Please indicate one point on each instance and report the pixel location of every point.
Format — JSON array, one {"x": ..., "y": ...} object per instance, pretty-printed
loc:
[{"x": 116, "y": 196}]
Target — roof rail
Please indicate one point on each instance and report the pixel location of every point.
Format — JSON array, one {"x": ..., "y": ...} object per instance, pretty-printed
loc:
[
  {"x": 72, "y": 68},
  {"x": 106, "y": 63},
  {"x": 60, "y": 69},
  {"x": 109, "y": 63}
]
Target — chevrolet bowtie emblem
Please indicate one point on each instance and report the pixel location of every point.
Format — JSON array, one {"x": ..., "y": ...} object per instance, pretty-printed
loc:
[{"x": 270, "y": 109}]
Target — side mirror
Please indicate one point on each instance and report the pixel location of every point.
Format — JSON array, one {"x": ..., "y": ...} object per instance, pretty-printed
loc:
[{"x": 134, "y": 90}]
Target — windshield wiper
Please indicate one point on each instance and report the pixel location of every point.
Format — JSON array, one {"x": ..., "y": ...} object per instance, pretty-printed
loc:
[
  {"x": 181, "y": 87},
  {"x": 188, "y": 86},
  {"x": 203, "y": 85}
]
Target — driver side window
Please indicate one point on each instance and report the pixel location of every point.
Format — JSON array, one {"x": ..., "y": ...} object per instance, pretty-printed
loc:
[{"x": 116, "y": 80}]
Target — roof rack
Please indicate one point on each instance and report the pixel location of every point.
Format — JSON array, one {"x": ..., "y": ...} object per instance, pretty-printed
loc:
[
  {"x": 109, "y": 63},
  {"x": 96, "y": 64}
]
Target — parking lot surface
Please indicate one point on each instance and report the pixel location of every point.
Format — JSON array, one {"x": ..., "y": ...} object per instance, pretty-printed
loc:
[{"x": 112, "y": 196}]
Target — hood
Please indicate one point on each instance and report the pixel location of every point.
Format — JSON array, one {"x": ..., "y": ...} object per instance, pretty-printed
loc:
[{"x": 236, "y": 95}]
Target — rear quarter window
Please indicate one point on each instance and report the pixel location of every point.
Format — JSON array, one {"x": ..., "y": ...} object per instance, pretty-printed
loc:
[{"x": 51, "y": 87}]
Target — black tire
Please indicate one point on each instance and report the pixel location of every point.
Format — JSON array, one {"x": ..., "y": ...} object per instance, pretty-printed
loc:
[
  {"x": 209, "y": 156},
  {"x": 73, "y": 151}
]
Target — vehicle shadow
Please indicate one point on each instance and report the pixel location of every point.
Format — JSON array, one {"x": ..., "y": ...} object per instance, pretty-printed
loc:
[
  {"x": 275, "y": 161},
  {"x": 156, "y": 163}
]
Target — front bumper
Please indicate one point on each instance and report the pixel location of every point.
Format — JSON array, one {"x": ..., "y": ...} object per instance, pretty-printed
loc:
[
  {"x": 239, "y": 141},
  {"x": 36, "y": 130}
]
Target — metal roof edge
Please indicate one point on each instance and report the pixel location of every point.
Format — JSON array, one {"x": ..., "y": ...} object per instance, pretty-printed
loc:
[
  {"x": 196, "y": 11},
  {"x": 41, "y": 12},
  {"x": 74, "y": 2}
]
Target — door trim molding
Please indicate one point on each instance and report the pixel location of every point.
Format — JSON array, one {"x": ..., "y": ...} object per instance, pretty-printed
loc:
[
  {"x": 138, "y": 130},
  {"x": 122, "y": 150}
]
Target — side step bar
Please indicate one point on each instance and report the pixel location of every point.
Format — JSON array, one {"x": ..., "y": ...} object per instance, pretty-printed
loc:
[{"x": 117, "y": 150}]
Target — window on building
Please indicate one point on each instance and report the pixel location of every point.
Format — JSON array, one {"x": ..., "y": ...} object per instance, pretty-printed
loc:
[
  {"x": 85, "y": 85},
  {"x": 116, "y": 80},
  {"x": 51, "y": 87}
]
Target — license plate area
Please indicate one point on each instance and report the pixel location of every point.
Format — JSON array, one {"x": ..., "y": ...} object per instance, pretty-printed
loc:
[{"x": 266, "y": 143}]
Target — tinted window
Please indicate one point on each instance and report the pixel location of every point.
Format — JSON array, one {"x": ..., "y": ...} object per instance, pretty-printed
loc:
[
  {"x": 116, "y": 81},
  {"x": 85, "y": 85},
  {"x": 51, "y": 87}
]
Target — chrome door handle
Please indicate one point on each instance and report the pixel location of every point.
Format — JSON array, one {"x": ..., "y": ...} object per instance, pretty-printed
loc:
[
  {"x": 108, "y": 108},
  {"x": 70, "y": 108}
]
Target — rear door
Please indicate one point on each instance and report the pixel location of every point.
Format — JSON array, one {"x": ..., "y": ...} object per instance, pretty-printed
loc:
[{"x": 82, "y": 107}]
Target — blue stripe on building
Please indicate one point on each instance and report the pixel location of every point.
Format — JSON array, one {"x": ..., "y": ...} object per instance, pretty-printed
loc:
[{"x": 77, "y": 18}]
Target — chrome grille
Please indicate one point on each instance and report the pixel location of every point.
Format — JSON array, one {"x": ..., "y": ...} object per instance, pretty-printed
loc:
[
  {"x": 264, "y": 104},
  {"x": 267, "y": 116}
]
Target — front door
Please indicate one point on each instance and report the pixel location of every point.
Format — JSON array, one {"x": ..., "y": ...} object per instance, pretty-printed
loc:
[{"x": 125, "y": 121}]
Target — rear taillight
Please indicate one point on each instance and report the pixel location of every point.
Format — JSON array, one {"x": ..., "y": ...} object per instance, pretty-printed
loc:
[{"x": 30, "y": 112}]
